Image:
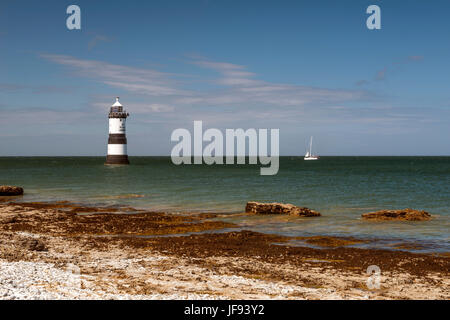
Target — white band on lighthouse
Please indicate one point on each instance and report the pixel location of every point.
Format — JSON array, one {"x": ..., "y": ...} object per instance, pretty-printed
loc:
[
  {"x": 117, "y": 126},
  {"x": 117, "y": 149},
  {"x": 117, "y": 142}
]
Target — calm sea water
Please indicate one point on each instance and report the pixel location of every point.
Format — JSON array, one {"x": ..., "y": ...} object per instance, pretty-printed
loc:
[{"x": 341, "y": 188}]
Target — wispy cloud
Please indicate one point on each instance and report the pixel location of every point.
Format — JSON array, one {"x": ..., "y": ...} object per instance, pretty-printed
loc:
[
  {"x": 236, "y": 86},
  {"x": 382, "y": 74},
  {"x": 138, "y": 108},
  {"x": 40, "y": 116},
  {"x": 37, "y": 89},
  {"x": 233, "y": 75},
  {"x": 144, "y": 81},
  {"x": 241, "y": 87},
  {"x": 415, "y": 58},
  {"x": 234, "y": 97},
  {"x": 361, "y": 82},
  {"x": 98, "y": 38}
]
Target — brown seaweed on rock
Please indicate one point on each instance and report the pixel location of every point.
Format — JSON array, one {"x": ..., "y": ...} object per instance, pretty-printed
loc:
[
  {"x": 403, "y": 214},
  {"x": 279, "y": 208},
  {"x": 11, "y": 191}
]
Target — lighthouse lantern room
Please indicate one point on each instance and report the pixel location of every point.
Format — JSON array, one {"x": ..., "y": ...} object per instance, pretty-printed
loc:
[{"x": 117, "y": 142}]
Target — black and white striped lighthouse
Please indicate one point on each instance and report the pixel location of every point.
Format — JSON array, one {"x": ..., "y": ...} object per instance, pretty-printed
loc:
[{"x": 117, "y": 142}]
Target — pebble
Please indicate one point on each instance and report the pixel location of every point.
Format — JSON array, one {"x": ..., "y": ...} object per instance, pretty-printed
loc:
[{"x": 25, "y": 280}]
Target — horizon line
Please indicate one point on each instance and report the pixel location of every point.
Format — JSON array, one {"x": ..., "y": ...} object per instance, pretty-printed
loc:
[{"x": 168, "y": 156}]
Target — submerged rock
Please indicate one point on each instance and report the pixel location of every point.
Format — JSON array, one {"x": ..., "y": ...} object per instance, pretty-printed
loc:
[
  {"x": 10, "y": 191},
  {"x": 279, "y": 208},
  {"x": 404, "y": 214}
]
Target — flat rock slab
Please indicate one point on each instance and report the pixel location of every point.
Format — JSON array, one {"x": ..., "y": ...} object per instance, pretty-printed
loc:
[
  {"x": 402, "y": 215},
  {"x": 279, "y": 208},
  {"x": 10, "y": 191}
]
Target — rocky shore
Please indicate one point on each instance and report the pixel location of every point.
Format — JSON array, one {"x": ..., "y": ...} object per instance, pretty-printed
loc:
[{"x": 64, "y": 251}]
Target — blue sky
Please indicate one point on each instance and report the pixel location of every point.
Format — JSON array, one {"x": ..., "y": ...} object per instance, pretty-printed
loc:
[{"x": 306, "y": 67}]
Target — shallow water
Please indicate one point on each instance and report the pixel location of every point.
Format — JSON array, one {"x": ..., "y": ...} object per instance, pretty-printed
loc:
[{"x": 341, "y": 188}]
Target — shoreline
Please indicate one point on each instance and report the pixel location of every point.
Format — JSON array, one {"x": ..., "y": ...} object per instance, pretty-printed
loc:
[
  {"x": 368, "y": 241},
  {"x": 138, "y": 254}
]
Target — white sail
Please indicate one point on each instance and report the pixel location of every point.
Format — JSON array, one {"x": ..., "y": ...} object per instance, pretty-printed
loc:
[{"x": 309, "y": 155}]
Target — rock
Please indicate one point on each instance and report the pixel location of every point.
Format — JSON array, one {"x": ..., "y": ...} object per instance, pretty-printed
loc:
[
  {"x": 34, "y": 245},
  {"x": 404, "y": 214},
  {"x": 279, "y": 208},
  {"x": 10, "y": 191}
]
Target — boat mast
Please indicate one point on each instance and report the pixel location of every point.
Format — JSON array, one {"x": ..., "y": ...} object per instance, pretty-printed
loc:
[{"x": 310, "y": 147}]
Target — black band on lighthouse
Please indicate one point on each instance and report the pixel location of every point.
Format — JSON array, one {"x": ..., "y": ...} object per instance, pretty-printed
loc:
[
  {"x": 117, "y": 159},
  {"x": 117, "y": 139}
]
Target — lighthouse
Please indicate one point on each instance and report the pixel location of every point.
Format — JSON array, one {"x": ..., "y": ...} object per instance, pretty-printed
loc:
[{"x": 117, "y": 142}]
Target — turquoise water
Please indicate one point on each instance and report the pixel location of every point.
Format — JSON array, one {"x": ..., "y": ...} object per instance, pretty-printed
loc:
[{"x": 341, "y": 188}]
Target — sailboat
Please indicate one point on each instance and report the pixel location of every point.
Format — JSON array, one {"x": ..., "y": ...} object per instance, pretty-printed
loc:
[{"x": 309, "y": 155}]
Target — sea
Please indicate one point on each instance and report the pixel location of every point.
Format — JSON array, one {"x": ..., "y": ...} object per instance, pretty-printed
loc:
[{"x": 340, "y": 188}]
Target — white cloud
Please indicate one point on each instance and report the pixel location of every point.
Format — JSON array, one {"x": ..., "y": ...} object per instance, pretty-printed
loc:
[
  {"x": 237, "y": 85},
  {"x": 137, "y": 108},
  {"x": 145, "y": 81},
  {"x": 241, "y": 87}
]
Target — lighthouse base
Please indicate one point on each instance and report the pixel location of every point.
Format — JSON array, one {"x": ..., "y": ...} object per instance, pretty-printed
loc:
[{"x": 117, "y": 159}]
